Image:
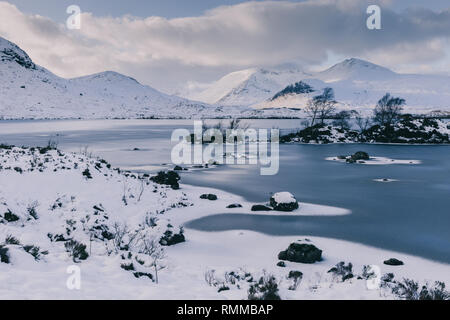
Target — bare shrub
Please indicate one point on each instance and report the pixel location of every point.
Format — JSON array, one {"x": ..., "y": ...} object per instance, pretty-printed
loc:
[
  {"x": 266, "y": 288},
  {"x": 342, "y": 271},
  {"x": 410, "y": 290}
]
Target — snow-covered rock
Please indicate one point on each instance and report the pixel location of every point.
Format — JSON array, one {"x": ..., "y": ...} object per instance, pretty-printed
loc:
[{"x": 283, "y": 201}]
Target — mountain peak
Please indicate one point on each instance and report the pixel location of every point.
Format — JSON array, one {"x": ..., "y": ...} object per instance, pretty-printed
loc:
[
  {"x": 359, "y": 63},
  {"x": 354, "y": 68},
  {"x": 107, "y": 76},
  {"x": 10, "y": 52}
]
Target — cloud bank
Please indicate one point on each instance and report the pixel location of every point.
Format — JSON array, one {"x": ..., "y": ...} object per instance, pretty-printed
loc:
[{"x": 165, "y": 53}]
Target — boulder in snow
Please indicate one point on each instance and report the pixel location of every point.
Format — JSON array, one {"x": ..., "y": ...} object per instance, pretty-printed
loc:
[
  {"x": 261, "y": 207},
  {"x": 283, "y": 201},
  {"x": 301, "y": 252},
  {"x": 393, "y": 262},
  {"x": 234, "y": 205},
  {"x": 210, "y": 196}
]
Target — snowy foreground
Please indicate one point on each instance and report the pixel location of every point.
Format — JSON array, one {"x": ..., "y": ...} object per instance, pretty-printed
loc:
[{"x": 53, "y": 204}]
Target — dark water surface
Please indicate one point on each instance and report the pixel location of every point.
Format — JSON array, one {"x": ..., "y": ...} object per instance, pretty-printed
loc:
[{"x": 411, "y": 215}]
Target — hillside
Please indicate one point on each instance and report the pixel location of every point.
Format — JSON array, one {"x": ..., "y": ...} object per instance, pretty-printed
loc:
[{"x": 30, "y": 91}]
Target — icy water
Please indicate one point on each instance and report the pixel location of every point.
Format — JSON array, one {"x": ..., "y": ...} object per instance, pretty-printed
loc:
[{"x": 411, "y": 215}]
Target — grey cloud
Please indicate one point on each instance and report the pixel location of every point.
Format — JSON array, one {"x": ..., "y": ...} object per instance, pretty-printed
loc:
[{"x": 166, "y": 52}]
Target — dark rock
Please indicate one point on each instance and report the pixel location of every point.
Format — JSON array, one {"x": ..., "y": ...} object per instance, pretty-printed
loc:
[
  {"x": 360, "y": 155},
  {"x": 393, "y": 262},
  {"x": 178, "y": 168},
  {"x": 87, "y": 174},
  {"x": 211, "y": 197},
  {"x": 170, "y": 239},
  {"x": 4, "y": 255},
  {"x": 294, "y": 274},
  {"x": 281, "y": 264},
  {"x": 301, "y": 252},
  {"x": 169, "y": 178},
  {"x": 10, "y": 217},
  {"x": 234, "y": 205},
  {"x": 261, "y": 207}
]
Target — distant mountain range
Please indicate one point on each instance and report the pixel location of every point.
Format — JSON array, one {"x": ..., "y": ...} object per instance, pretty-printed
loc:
[
  {"x": 28, "y": 91},
  {"x": 358, "y": 84}
]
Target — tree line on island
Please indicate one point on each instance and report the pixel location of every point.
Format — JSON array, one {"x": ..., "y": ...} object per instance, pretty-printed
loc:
[{"x": 386, "y": 125}]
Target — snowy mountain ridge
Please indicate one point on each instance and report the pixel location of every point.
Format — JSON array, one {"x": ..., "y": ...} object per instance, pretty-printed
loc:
[
  {"x": 247, "y": 87},
  {"x": 28, "y": 91},
  {"x": 357, "y": 84}
]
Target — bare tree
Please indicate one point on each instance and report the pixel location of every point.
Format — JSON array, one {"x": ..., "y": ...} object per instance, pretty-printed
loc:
[
  {"x": 322, "y": 106},
  {"x": 141, "y": 188},
  {"x": 152, "y": 248},
  {"x": 388, "y": 110},
  {"x": 363, "y": 123},
  {"x": 341, "y": 119},
  {"x": 124, "y": 239},
  {"x": 312, "y": 110}
]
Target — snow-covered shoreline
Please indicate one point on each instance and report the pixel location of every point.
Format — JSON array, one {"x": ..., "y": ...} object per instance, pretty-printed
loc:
[
  {"x": 49, "y": 194},
  {"x": 379, "y": 161}
]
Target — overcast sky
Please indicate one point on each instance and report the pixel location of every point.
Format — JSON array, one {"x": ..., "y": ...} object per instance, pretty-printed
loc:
[{"x": 167, "y": 43}]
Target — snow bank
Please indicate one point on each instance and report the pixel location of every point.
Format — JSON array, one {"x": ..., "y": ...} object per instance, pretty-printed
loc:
[{"x": 378, "y": 161}]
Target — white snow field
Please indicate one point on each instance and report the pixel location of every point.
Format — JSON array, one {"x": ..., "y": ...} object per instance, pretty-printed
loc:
[{"x": 50, "y": 199}]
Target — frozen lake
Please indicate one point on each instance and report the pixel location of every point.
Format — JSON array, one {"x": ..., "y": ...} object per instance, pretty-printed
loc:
[{"x": 411, "y": 215}]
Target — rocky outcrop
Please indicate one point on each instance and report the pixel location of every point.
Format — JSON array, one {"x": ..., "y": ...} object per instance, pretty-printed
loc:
[
  {"x": 301, "y": 252},
  {"x": 169, "y": 178},
  {"x": 234, "y": 205},
  {"x": 393, "y": 262},
  {"x": 210, "y": 196},
  {"x": 261, "y": 207}
]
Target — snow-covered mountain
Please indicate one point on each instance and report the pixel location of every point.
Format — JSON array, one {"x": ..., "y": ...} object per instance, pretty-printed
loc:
[
  {"x": 358, "y": 84},
  {"x": 248, "y": 87},
  {"x": 30, "y": 91}
]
